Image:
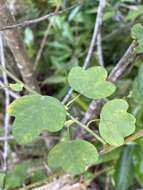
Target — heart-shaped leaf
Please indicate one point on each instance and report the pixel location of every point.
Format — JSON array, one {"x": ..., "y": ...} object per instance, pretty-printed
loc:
[
  {"x": 75, "y": 156},
  {"x": 91, "y": 82},
  {"x": 115, "y": 122},
  {"x": 33, "y": 114}
]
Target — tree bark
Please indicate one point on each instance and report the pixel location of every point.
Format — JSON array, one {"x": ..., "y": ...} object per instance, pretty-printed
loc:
[{"x": 14, "y": 41}]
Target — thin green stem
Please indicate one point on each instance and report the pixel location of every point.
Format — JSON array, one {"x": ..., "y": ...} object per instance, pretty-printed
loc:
[
  {"x": 86, "y": 128},
  {"x": 70, "y": 102},
  {"x": 17, "y": 80}
]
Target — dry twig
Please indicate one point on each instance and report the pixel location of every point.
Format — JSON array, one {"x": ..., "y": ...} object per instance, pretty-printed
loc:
[
  {"x": 65, "y": 182},
  {"x": 100, "y": 50},
  {"x": 7, "y": 102},
  {"x": 34, "y": 21}
]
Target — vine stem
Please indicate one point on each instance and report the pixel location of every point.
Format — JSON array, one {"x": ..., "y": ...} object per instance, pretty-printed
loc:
[
  {"x": 70, "y": 102},
  {"x": 86, "y": 128}
]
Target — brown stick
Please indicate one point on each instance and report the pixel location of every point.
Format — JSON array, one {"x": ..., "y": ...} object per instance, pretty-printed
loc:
[
  {"x": 7, "y": 102},
  {"x": 9, "y": 26},
  {"x": 64, "y": 182},
  {"x": 16, "y": 46},
  {"x": 124, "y": 63},
  {"x": 118, "y": 71}
]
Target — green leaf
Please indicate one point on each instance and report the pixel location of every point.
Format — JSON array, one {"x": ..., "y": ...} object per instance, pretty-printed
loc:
[
  {"x": 132, "y": 15},
  {"x": 38, "y": 175},
  {"x": 136, "y": 34},
  {"x": 75, "y": 156},
  {"x": 16, "y": 87},
  {"x": 138, "y": 161},
  {"x": 91, "y": 82},
  {"x": 116, "y": 123},
  {"x": 69, "y": 122},
  {"x": 128, "y": 1},
  {"x": 28, "y": 37},
  {"x": 55, "y": 80},
  {"x": 140, "y": 80},
  {"x": 16, "y": 176},
  {"x": 139, "y": 49},
  {"x": 136, "y": 92},
  {"x": 35, "y": 113},
  {"x": 123, "y": 177},
  {"x": 136, "y": 31},
  {"x": 2, "y": 178},
  {"x": 73, "y": 13}
]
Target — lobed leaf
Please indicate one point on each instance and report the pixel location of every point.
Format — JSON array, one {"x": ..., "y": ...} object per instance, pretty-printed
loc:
[
  {"x": 75, "y": 156},
  {"x": 116, "y": 123},
  {"x": 91, "y": 82},
  {"x": 35, "y": 113}
]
